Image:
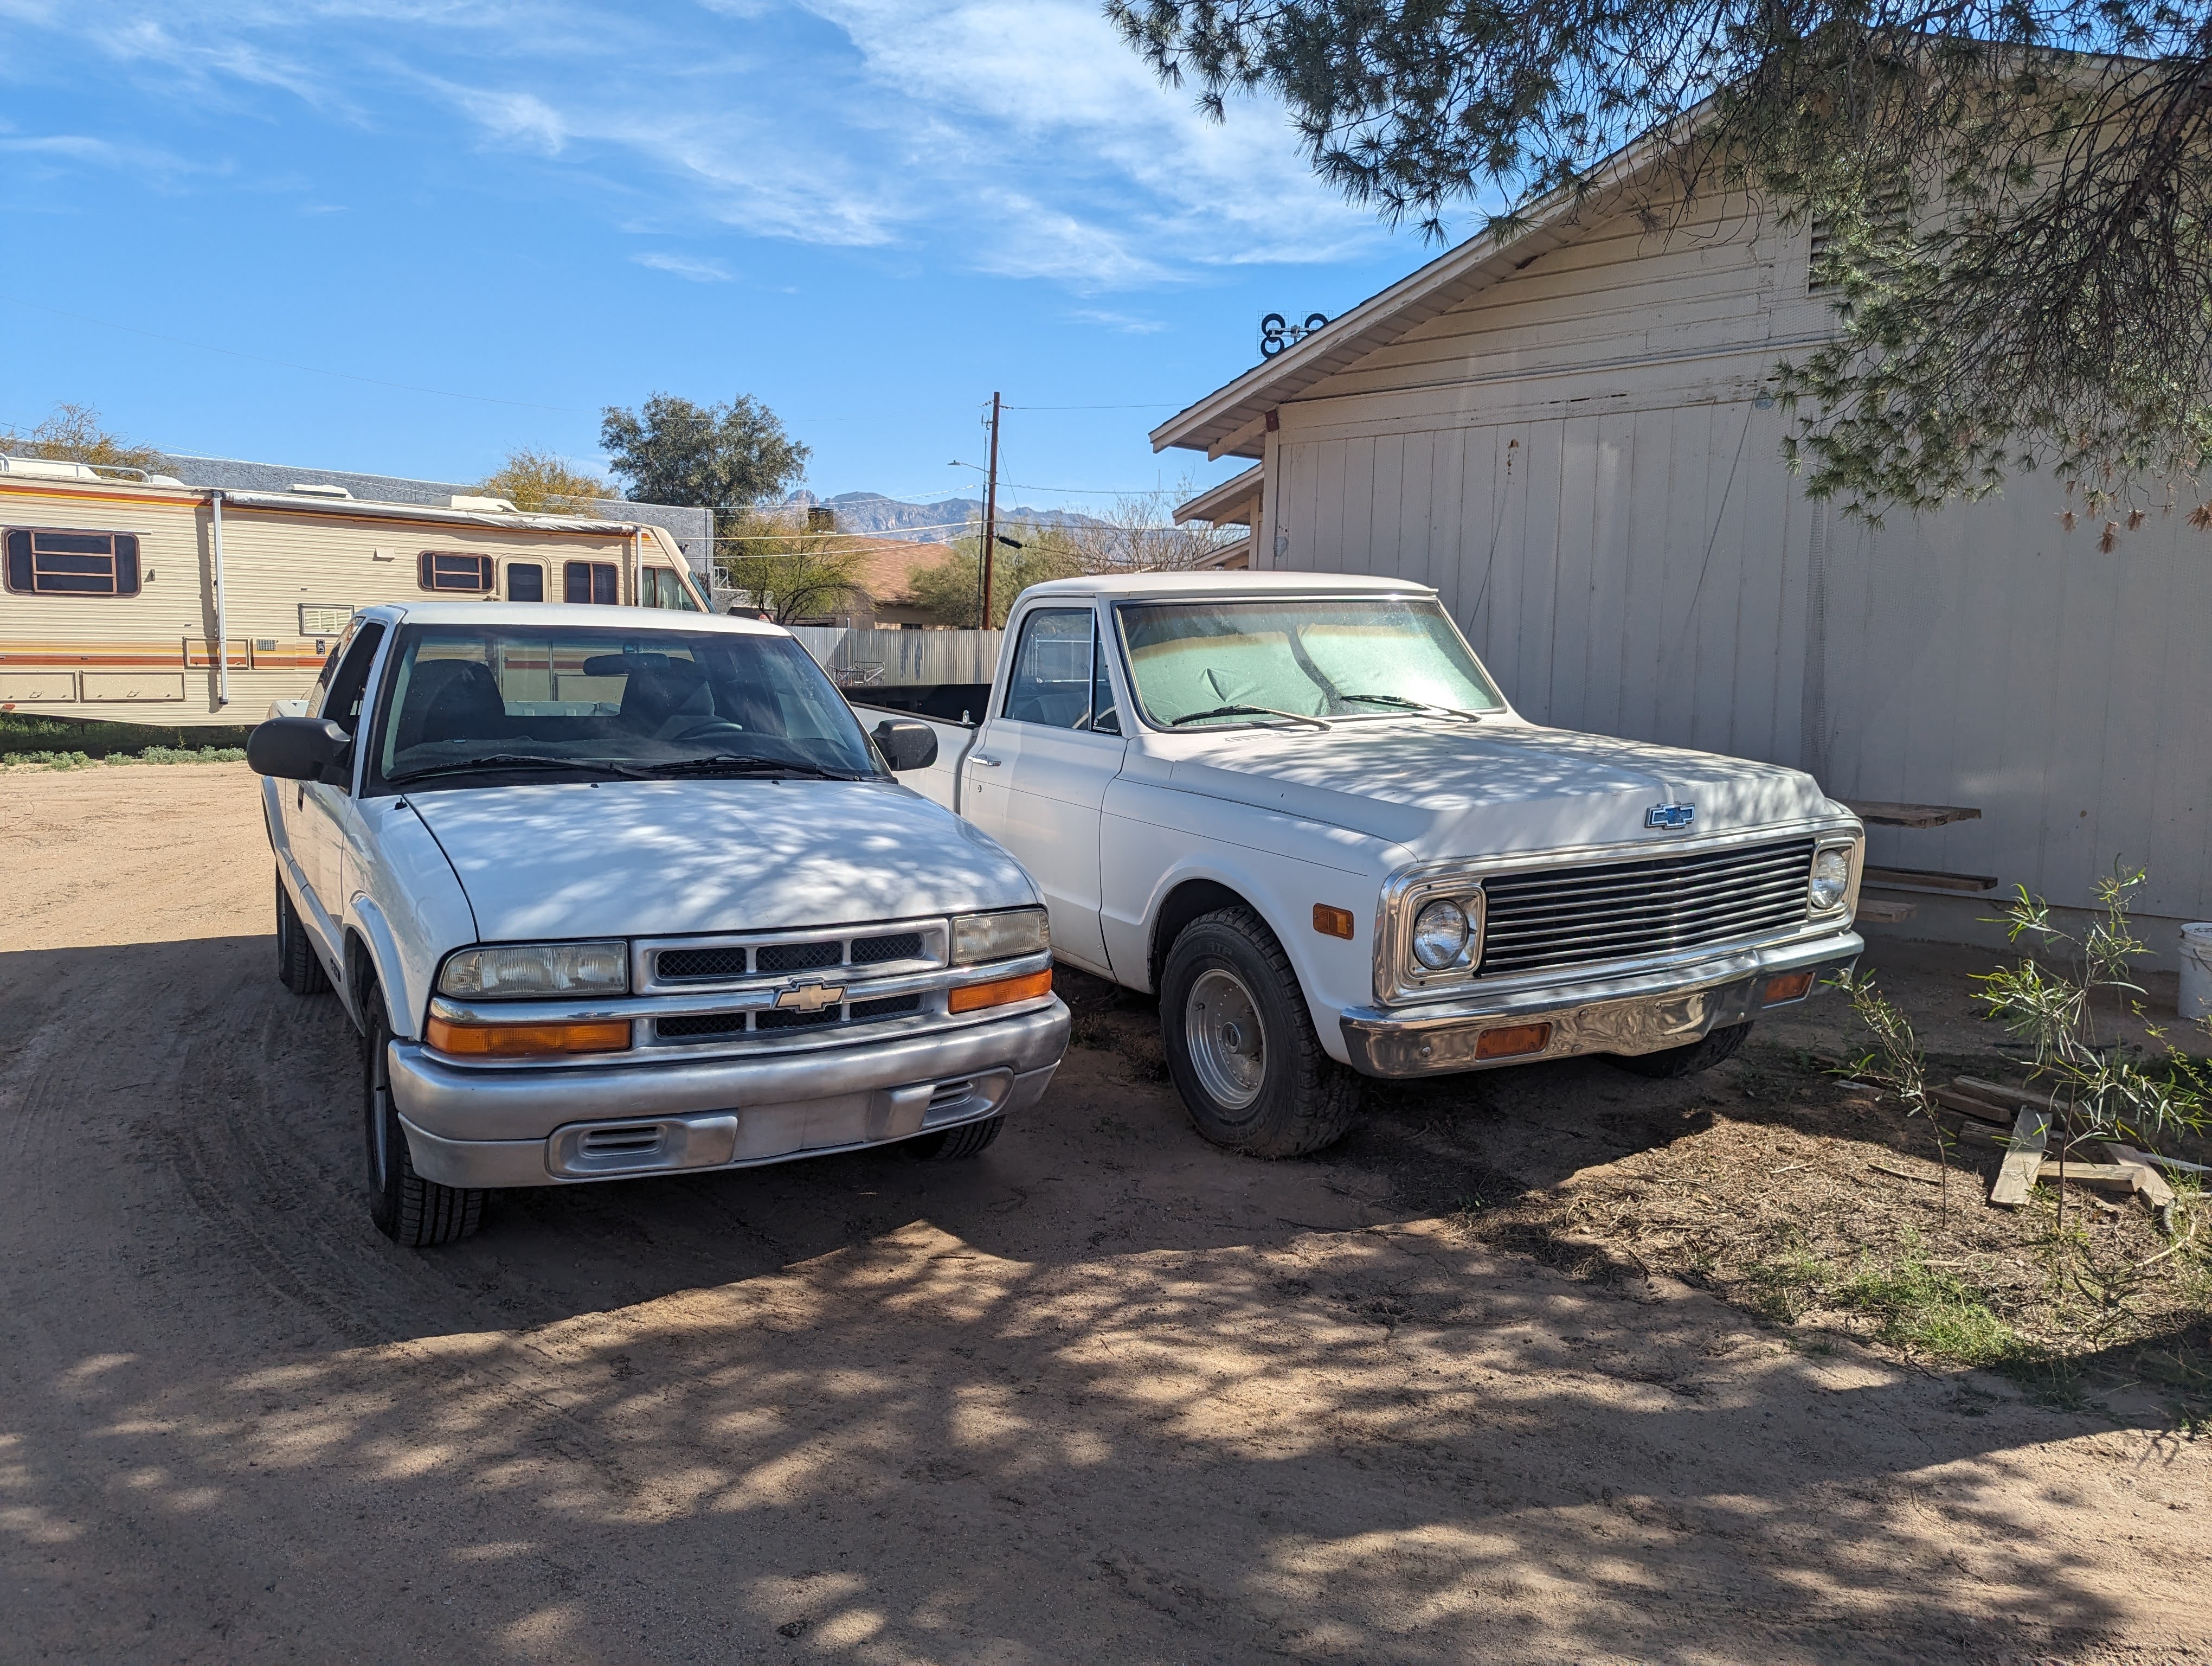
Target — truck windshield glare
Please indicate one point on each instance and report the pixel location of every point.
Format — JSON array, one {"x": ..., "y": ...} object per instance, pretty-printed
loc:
[
  {"x": 1218, "y": 662},
  {"x": 463, "y": 702}
]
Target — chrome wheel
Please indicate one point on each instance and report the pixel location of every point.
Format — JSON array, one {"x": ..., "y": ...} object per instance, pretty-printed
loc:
[{"x": 1227, "y": 1046}]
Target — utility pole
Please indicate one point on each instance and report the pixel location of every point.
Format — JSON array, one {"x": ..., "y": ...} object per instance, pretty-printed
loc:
[{"x": 990, "y": 512}]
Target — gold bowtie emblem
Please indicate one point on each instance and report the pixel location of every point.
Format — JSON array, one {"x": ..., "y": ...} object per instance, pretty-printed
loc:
[{"x": 809, "y": 997}]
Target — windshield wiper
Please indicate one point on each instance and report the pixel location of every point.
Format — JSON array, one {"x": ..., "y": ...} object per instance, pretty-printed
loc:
[
  {"x": 1403, "y": 704},
  {"x": 732, "y": 763},
  {"x": 1246, "y": 711},
  {"x": 514, "y": 761}
]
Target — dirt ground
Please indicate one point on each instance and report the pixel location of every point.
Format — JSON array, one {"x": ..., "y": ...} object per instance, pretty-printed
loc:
[{"x": 1105, "y": 1394}]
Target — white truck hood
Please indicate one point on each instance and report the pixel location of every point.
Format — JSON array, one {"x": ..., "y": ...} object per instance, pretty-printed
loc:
[
  {"x": 648, "y": 859},
  {"x": 1461, "y": 790}
]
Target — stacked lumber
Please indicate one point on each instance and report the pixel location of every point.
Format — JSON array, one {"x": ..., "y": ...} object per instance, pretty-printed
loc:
[{"x": 2019, "y": 1120}]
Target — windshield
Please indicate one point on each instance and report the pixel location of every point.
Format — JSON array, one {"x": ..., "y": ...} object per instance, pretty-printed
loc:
[
  {"x": 1196, "y": 664},
  {"x": 464, "y": 701}
]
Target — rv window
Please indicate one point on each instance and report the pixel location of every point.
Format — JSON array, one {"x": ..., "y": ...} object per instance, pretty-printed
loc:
[
  {"x": 662, "y": 588},
  {"x": 525, "y": 582},
  {"x": 436, "y": 570},
  {"x": 71, "y": 563},
  {"x": 590, "y": 582}
]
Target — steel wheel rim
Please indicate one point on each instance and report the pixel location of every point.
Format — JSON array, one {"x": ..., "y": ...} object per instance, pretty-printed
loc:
[{"x": 1224, "y": 1037}]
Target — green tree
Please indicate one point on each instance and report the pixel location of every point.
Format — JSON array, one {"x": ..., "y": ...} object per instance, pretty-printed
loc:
[
  {"x": 951, "y": 590},
  {"x": 73, "y": 434},
  {"x": 542, "y": 482},
  {"x": 724, "y": 458},
  {"x": 2018, "y": 193},
  {"x": 770, "y": 557}
]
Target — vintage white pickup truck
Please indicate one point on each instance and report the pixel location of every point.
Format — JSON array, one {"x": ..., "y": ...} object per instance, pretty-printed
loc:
[
  {"x": 611, "y": 893},
  {"x": 1297, "y": 808}
]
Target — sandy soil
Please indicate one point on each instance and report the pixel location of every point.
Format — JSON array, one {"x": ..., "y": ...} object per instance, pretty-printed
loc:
[{"x": 1105, "y": 1394}]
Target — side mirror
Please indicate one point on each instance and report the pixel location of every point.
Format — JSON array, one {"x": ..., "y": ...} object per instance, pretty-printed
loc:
[
  {"x": 906, "y": 746},
  {"x": 297, "y": 748}
]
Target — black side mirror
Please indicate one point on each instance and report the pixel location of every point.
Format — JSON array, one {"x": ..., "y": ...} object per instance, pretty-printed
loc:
[
  {"x": 906, "y": 746},
  {"x": 299, "y": 749}
]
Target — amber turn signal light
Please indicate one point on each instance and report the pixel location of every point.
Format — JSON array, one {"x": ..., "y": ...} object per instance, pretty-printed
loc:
[
  {"x": 1790, "y": 986},
  {"x": 1513, "y": 1041},
  {"x": 1333, "y": 922},
  {"x": 523, "y": 1041},
  {"x": 976, "y": 996}
]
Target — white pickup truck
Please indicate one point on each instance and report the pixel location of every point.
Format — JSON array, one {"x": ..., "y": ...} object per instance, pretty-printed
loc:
[
  {"x": 1297, "y": 808},
  {"x": 611, "y": 893}
]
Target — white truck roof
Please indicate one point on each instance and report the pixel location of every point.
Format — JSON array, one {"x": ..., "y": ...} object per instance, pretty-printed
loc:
[{"x": 1216, "y": 583}]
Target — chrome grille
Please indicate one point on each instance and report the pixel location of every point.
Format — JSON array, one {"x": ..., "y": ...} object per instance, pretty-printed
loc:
[
  {"x": 1576, "y": 917},
  {"x": 798, "y": 957},
  {"x": 678, "y": 963},
  {"x": 900, "y": 946}
]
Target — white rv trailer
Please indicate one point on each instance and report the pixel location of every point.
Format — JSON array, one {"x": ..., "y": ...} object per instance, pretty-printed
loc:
[{"x": 147, "y": 600}]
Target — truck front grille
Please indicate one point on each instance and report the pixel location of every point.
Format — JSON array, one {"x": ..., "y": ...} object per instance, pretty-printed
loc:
[
  {"x": 1578, "y": 916},
  {"x": 697, "y": 1026}
]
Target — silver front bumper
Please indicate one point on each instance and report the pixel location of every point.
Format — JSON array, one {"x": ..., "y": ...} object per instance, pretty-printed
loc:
[
  {"x": 1644, "y": 1012},
  {"x": 508, "y": 1127}
]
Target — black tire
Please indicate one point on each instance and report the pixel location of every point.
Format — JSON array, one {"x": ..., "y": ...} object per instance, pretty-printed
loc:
[
  {"x": 956, "y": 1145},
  {"x": 1716, "y": 1047},
  {"x": 412, "y": 1212},
  {"x": 1300, "y": 1099},
  {"x": 297, "y": 968}
]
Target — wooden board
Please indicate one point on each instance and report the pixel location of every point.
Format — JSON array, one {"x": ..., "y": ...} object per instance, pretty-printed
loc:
[
  {"x": 1930, "y": 880},
  {"x": 1883, "y": 813},
  {"x": 1886, "y": 914},
  {"x": 2148, "y": 1180},
  {"x": 1967, "y": 1104},
  {"x": 2016, "y": 1176}
]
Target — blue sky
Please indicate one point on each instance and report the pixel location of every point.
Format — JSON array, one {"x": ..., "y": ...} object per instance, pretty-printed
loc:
[{"x": 868, "y": 213}]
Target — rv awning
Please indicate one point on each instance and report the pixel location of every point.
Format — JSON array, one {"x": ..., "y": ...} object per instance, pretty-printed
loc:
[{"x": 425, "y": 514}]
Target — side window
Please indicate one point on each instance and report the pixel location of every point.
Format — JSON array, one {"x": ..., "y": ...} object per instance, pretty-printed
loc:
[
  {"x": 341, "y": 701},
  {"x": 589, "y": 582},
  {"x": 525, "y": 582},
  {"x": 436, "y": 570},
  {"x": 71, "y": 563},
  {"x": 1051, "y": 681}
]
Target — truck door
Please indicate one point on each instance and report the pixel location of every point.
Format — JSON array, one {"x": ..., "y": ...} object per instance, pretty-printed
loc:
[
  {"x": 318, "y": 810},
  {"x": 1039, "y": 770}
]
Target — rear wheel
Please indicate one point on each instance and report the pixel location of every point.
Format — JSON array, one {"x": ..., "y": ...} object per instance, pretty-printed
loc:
[
  {"x": 1241, "y": 1045},
  {"x": 412, "y": 1212},
  {"x": 297, "y": 968},
  {"x": 1715, "y": 1048},
  {"x": 951, "y": 1145}
]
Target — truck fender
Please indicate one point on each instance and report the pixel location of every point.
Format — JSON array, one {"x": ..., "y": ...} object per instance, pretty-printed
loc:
[{"x": 372, "y": 951}]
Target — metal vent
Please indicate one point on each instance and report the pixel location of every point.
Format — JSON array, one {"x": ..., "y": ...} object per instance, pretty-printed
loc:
[
  {"x": 867, "y": 951},
  {"x": 889, "y": 1006},
  {"x": 798, "y": 957},
  {"x": 621, "y": 1142},
  {"x": 1576, "y": 917},
  {"x": 674, "y": 963}
]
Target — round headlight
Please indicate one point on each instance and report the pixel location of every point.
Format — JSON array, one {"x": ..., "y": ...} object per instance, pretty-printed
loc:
[
  {"x": 1832, "y": 877},
  {"x": 1440, "y": 935}
]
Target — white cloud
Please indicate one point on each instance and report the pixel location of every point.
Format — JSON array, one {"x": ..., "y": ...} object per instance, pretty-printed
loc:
[
  {"x": 684, "y": 266},
  {"x": 1121, "y": 321}
]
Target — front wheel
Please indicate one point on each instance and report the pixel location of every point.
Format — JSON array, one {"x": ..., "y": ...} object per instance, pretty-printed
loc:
[
  {"x": 1673, "y": 1061},
  {"x": 956, "y": 1145},
  {"x": 412, "y": 1212},
  {"x": 1241, "y": 1046}
]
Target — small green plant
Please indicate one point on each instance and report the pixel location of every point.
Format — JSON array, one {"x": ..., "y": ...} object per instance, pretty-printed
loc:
[
  {"x": 1783, "y": 1287},
  {"x": 1928, "y": 1311}
]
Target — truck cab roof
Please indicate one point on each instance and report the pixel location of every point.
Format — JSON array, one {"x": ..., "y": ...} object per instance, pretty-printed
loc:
[{"x": 1124, "y": 587}]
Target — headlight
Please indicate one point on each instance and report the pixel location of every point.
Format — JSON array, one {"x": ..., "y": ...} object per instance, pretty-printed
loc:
[
  {"x": 518, "y": 971},
  {"x": 1440, "y": 935},
  {"x": 1002, "y": 936},
  {"x": 1832, "y": 877}
]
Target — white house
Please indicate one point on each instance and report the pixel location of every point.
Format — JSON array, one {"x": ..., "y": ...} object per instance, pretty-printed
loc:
[{"x": 1570, "y": 433}]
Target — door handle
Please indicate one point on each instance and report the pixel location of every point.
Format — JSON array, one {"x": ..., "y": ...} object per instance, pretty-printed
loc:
[{"x": 988, "y": 762}]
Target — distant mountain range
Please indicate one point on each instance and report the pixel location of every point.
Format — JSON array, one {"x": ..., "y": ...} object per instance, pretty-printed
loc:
[{"x": 878, "y": 516}]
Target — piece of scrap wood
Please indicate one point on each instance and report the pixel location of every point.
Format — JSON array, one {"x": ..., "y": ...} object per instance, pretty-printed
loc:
[
  {"x": 2149, "y": 1180},
  {"x": 1996, "y": 1093},
  {"x": 2016, "y": 1176},
  {"x": 1901, "y": 1174},
  {"x": 1969, "y": 1131},
  {"x": 1882, "y": 912},
  {"x": 2090, "y": 1174},
  {"x": 1967, "y": 1104}
]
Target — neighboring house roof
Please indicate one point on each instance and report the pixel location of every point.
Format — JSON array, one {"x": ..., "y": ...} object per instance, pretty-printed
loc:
[
  {"x": 888, "y": 566},
  {"x": 1231, "y": 420},
  {"x": 1232, "y": 501}
]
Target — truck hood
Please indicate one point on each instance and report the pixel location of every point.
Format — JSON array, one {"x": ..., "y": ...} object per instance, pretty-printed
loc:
[
  {"x": 645, "y": 859},
  {"x": 1446, "y": 790}
]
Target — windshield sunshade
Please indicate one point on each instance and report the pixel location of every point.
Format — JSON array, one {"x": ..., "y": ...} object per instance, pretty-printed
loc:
[{"x": 1196, "y": 663}]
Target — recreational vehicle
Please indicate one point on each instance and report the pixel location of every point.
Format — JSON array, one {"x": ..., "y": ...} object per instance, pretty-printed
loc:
[{"x": 147, "y": 600}]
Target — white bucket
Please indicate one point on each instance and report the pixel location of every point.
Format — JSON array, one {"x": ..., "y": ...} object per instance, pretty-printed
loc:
[{"x": 2197, "y": 971}]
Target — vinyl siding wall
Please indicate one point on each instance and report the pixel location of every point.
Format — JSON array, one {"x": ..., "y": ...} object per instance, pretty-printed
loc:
[{"x": 1578, "y": 461}]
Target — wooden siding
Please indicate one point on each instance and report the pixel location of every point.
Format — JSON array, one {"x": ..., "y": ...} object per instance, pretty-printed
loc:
[{"x": 1576, "y": 461}]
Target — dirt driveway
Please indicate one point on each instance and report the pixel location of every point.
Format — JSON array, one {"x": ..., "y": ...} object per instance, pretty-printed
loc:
[{"x": 1105, "y": 1395}]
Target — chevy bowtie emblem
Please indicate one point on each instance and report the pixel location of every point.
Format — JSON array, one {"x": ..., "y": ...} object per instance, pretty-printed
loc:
[
  {"x": 809, "y": 997},
  {"x": 1672, "y": 817}
]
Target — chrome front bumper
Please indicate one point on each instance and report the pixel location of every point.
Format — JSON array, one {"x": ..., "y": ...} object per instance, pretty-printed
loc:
[
  {"x": 1644, "y": 1012},
  {"x": 508, "y": 1127}
]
